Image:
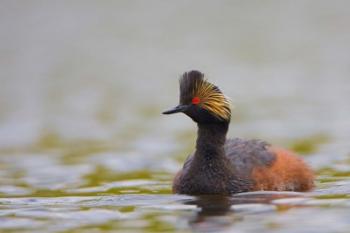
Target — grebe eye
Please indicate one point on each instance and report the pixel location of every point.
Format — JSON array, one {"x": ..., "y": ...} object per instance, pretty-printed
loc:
[{"x": 196, "y": 100}]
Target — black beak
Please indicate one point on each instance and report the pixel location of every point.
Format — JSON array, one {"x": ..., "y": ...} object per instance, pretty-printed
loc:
[{"x": 179, "y": 108}]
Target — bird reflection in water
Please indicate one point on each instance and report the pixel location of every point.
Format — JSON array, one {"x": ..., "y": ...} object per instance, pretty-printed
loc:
[{"x": 216, "y": 212}]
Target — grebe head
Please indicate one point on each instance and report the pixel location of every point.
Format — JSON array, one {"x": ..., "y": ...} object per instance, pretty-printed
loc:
[{"x": 201, "y": 100}]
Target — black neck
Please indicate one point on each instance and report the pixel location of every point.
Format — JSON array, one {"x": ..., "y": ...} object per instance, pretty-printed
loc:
[{"x": 211, "y": 139}]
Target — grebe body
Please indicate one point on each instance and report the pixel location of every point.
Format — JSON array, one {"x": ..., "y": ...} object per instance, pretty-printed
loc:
[{"x": 227, "y": 166}]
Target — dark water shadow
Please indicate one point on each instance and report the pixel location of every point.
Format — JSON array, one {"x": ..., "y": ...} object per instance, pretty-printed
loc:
[{"x": 216, "y": 212}]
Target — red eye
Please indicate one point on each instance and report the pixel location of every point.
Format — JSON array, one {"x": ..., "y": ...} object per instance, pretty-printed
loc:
[{"x": 196, "y": 100}]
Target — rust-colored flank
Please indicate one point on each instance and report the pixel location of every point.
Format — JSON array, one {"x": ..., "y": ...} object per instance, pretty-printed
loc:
[
  {"x": 226, "y": 166},
  {"x": 287, "y": 173}
]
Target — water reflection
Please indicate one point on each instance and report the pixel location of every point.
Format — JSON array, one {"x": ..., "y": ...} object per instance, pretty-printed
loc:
[
  {"x": 216, "y": 212},
  {"x": 211, "y": 207}
]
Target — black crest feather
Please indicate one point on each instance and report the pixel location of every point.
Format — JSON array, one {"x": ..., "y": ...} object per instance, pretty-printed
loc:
[{"x": 193, "y": 84}]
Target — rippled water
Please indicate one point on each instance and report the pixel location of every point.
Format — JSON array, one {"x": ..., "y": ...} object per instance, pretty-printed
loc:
[{"x": 84, "y": 148}]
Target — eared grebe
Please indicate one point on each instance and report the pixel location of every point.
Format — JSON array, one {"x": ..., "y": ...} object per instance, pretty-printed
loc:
[{"x": 226, "y": 166}]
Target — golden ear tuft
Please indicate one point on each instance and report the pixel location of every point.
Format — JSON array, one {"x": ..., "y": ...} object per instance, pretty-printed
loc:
[{"x": 212, "y": 99}]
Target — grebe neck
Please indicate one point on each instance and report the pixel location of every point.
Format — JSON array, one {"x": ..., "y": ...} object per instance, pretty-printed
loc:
[{"x": 211, "y": 139}]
